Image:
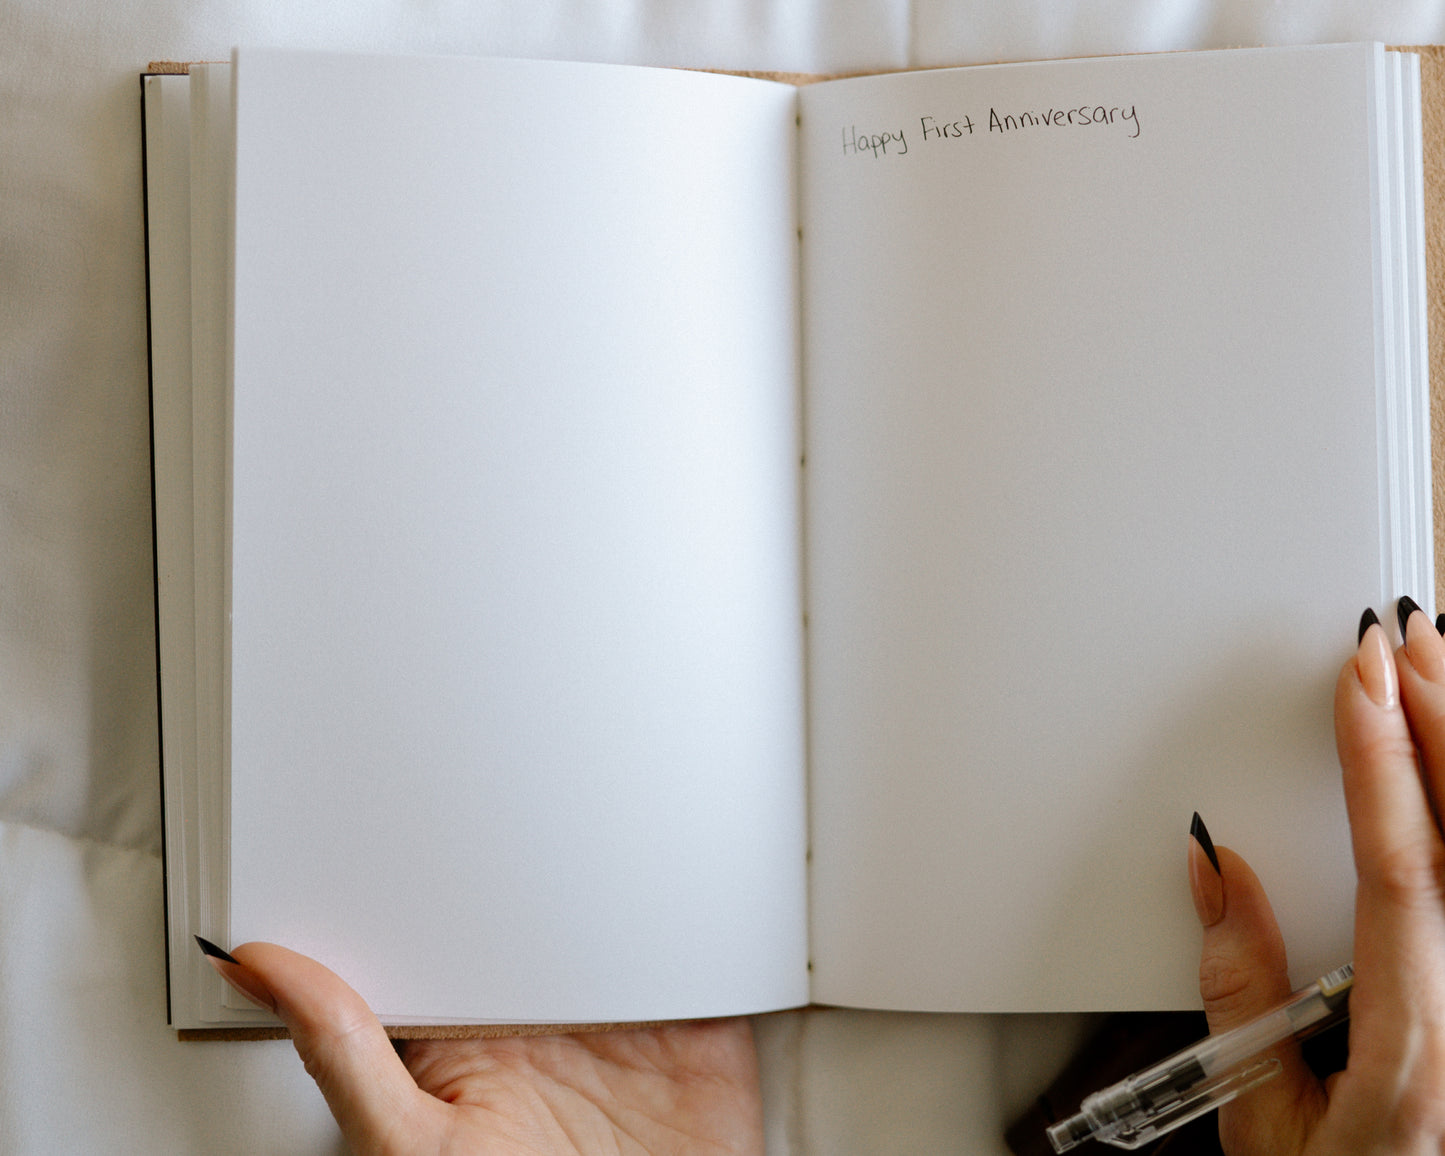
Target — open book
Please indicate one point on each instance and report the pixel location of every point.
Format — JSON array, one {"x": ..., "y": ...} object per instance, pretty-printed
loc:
[{"x": 637, "y": 544}]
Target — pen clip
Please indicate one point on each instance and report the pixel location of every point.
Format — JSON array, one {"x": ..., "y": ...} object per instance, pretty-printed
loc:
[{"x": 1204, "y": 1098}]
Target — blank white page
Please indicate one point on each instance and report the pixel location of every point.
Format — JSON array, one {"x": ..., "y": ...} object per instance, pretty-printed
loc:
[
  {"x": 1093, "y": 511},
  {"x": 515, "y": 688}
]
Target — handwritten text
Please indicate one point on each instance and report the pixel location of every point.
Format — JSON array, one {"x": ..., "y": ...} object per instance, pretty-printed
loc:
[
  {"x": 878, "y": 143},
  {"x": 1060, "y": 117},
  {"x": 956, "y": 127}
]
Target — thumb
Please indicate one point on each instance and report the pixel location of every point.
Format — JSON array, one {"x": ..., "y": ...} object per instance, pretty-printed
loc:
[
  {"x": 341, "y": 1042},
  {"x": 1241, "y": 975}
]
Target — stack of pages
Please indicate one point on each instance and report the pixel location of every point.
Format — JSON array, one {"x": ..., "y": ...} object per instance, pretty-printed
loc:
[{"x": 637, "y": 544}]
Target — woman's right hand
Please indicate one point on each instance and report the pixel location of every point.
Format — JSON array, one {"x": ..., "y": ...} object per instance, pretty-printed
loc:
[{"x": 1390, "y": 730}]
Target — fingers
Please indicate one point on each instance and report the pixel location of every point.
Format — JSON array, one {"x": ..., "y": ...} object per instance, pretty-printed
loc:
[
  {"x": 1399, "y": 854},
  {"x": 1387, "y": 705},
  {"x": 1420, "y": 664},
  {"x": 342, "y": 1043},
  {"x": 1241, "y": 975}
]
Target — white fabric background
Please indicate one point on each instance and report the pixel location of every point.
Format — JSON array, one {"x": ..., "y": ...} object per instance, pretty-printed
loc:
[{"x": 86, "y": 1061}]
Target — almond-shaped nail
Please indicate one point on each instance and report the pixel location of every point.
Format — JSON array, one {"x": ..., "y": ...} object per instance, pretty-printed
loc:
[
  {"x": 1368, "y": 619},
  {"x": 1424, "y": 648},
  {"x": 237, "y": 974},
  {"x": 1376, "y": 665},
  {"x": 211, "y": 951},
  {"x": 1403, "y": 609},
  {"x": 1206, "y": 884},
  {"x": 1440, "y": 623}
]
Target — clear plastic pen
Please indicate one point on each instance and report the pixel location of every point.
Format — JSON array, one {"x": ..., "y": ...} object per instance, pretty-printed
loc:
[{"x": 1202, "y": 1077}]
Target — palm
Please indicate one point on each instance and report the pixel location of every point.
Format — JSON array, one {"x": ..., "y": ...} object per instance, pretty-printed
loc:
[{"x": 679, "y": 1088}]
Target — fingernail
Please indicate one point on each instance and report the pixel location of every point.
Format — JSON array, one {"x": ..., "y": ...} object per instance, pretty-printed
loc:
[
  {"x": 236, "y": 973},
  {"x": 1367, "y": 620},
  {"x": 1440, "y": 623},
  {"x": 1423, "y": 647},
  {"x": 1403, "y": 609},
  {"x": 1206, "y": 884},
  {"x": 211, "y": 951},
  {"x": 1375, "y": 665}
]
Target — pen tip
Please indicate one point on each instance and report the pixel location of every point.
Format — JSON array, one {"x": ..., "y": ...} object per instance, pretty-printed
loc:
[
  {"x": 1070, "y": 1133},
  {"x": 209, "y": 948}
]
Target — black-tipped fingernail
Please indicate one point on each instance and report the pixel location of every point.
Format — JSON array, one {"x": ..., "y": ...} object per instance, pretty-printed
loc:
[
  {"x": 1368, "y": 619},
  {"x": 1403, "y": 609},
  {"x": 1201, "y": 836},
  {"x": 1440, "y": 623},
  {"x": 209, "y": 948}
]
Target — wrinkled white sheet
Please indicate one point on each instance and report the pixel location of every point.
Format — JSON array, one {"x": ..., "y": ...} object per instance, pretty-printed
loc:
[{"x": 86, "y": 1061}]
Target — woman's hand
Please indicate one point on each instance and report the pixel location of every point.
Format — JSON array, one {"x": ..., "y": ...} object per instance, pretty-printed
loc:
[
  {"x": 683, "y": 1088},
  {"x": 1390, "y": 729}
]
